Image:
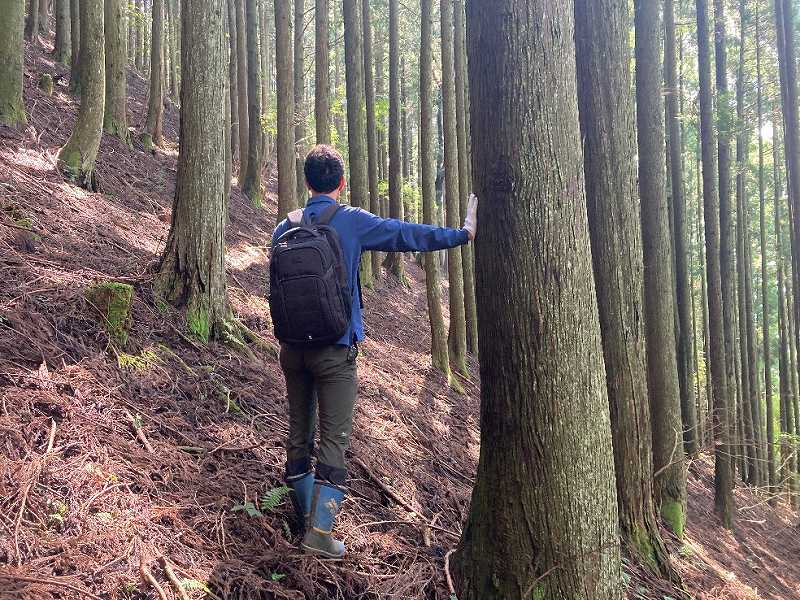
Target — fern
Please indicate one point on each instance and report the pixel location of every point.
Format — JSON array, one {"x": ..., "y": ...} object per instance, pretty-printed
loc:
[
  {"x": 194, "y": 584},
  {"x": 273, "y": 498}
]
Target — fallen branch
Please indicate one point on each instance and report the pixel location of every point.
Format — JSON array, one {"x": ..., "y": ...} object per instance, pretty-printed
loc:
[
  {"x": 140, "y": 433},
  {"x": 50, "y": 581},
  {"x": 450, "y": 585},
  {"x": 174, "y": 579},
  {"x": 389, "y": 491},
  {"x": 148, "y": 578}
]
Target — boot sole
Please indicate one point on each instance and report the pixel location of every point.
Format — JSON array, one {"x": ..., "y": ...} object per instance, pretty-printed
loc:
[{"x": 321, "y": 553}]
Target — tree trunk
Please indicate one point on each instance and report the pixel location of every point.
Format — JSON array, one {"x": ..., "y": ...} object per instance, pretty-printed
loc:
[
  {"x": 356, "y": 116},
  {"x": 115, "y": 120},
  {"x": 395, "y": 260},
  {"x": 252, "y": 179},
  {"x": 32, "y": 22},
  {"x": 765, "y": 314},
  {"x": 543, "y": 518},
  {"x": 191, "y": 273},
  {"x": 63, "y": 44},
  {"x": 322, "y": 73},
  {"x": 140, "y": 27},
  {"x": 12, "y": 108},
  {"x": 76, "y": 158},
  {"x": 607, "y": 128},
  {"x": 241, "y": 66},
  {"x": 233, "y": 76},
  {"x": 75, "y": 34},
  {"x": 684, "y": 338},
  {"x": 299, "y": 99},
  {"x": 723, "y": 480},
  {"x": 44, "y": 17},
  {"x": 287, "y": 200},
  {"x": 153, "y": 133},
  {"x": 380, "y": 91},
  {"x": 457, "y": 337},
  {"x": 464, "y": 182},
  {"x": 439, "y": 352},
  {"x": 372, "y": 139},
  {"x": 175, "y": 48},
  {"x": 659, "y": 316}
]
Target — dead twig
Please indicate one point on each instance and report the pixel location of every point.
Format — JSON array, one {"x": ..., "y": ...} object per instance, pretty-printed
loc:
[
  {"x": 148, "y": 578},
  {"x": 174, "y": 579},
  {"x": 450, "y": 585},
  {"x": 389, "y": 491},
  {"x": 140, "y": 433}
]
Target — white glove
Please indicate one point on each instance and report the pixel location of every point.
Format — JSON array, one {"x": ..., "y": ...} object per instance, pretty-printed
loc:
[{"x": 471, "y": 220}]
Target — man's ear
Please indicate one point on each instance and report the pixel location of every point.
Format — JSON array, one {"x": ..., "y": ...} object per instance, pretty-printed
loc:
[{"x": 342, "y": 183}]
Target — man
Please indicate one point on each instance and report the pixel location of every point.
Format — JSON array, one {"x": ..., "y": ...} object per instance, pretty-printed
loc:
[{"x": 327, "y": 375}]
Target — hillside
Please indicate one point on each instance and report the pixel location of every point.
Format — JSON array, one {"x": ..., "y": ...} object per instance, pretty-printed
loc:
[{"x": 109, "y": 462}]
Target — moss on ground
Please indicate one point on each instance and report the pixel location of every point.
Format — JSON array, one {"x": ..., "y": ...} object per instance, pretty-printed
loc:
[{"x": 113, "y": 300}]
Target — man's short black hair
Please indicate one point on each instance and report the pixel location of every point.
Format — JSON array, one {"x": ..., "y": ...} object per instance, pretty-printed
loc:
[{"x": 324, "y": 169}]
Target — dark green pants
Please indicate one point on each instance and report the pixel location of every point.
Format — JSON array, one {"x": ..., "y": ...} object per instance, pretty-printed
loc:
[{"x": 323, "y": 380}]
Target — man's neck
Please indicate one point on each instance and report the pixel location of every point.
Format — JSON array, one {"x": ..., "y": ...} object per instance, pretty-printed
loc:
[{"x": 332, "y": 195}]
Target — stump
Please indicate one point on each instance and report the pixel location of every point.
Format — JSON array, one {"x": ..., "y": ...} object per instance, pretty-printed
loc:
[
  {"x": 113, "y": 301},
  {"x": 46, "y": 83}
]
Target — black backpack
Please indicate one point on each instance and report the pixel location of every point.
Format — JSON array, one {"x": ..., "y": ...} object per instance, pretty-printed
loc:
[{"x": 309, "y": 296}]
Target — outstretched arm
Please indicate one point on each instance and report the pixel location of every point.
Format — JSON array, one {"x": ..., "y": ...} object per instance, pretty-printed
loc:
[{"x": 393, "y": 235}]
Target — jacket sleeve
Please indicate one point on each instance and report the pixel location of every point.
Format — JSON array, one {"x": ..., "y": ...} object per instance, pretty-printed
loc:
[
  {"x": 279, "y": 231},
  {"x": 393, "y": 235}
]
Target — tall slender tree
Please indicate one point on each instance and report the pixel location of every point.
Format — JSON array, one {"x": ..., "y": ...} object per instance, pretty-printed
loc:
[
  {"x": 607, "y": 128},
  {"x": 32, "y": 22},
  {"x": 684, "y": 338},
  {"x": 662, "y": 370},
  {"x": 233, "y": 76},
  {"x": 395, "y": 260},
  {"x": 287, "y": 200},
  {"x": 457, "y": 338},
  {"x": 356, "y": 116},
  {"x": 241, "y": 67},
  {"x": 252, "y": 179},
  {"x": 63, "y": 42},
  {"x": 44, "y": 17},
  {"x": 153, "y": 129},
  {"x": 75, "y": 33},
  {"x": 439, "y": 351},
  {"x": 723, "y": 478},
  {"x": 299, "y": 96},
  {"x": 77, "y": 157},
  {"x": 115, "y": 120},
  {"x": 372, "y": 134},
  {"x": 464, "y": 183},
  {"x": 322, "y": 73},
  {"x": 12, "y": 109},
  {"x": 191, "y": 274},
  {"x": 534, "y": 282}
]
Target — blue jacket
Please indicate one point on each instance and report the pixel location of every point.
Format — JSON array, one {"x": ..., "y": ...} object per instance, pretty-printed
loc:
[{"x": 360, "y": 231}]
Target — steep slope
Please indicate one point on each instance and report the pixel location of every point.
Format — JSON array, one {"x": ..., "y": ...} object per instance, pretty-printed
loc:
[{"x": 110, "y": 461}]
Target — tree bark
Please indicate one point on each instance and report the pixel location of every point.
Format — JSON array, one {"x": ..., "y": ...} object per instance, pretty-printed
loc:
[
  {"x": 75, "y": 34},
  {"x": 607, "y": 128},
  {"x": 140, "y": 28},
  {"x": 356, "y": 116},
  {"x": 252, "y": 179},
  {"x": 191, "y": 273},
  {"x": 670, "y": 483},
  {"x": 299, "y": 99},
  {"x": 115, "y": 120},
  {"x": 77, "y": 157},
  {"x": 457, "y": 337},
  {"x": 723, "y": 479},
  {"x": 12, "y": 108},
  {"x": 372, "y": 139},
  {"x": 322, "y": 73},
  {"x": 32, "y": 22},
  {"x": 233, "y": 76},
  {"x": 153, "y": 129},
  {"x": 543, "y": 520},
  {"x": 63, "y": 43},
  {"x": 44, "y": 17},
  {"x": 287, "y": 200},
  {"x": 395, "y": 260},
  {"x": 241, "y": 66},
  {"x": 439, "y": 352}
]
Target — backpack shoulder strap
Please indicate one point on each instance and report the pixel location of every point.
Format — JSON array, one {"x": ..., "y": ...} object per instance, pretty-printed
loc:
[{"x": 328, "y": 214}]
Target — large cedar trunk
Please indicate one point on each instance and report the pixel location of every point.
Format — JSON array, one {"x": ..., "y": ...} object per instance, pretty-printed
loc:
[
  {"x": 76, "y": 159},
  {"x": 241, "y": 66},
  {"x": 356, "y": 116},
  {"x": 372, "y": 136},
  {"x": 153, "y": 132},
  {"x": 191, "y": 274},
  {"x": 75, "y": 33},
  {"x": 457, "y": 337},
  {"x": 299, "y": 99},
  {"x": 12, "y": 110},
  {"x": 252, "y": 179},
  {"x": 287, "y": 201},
  {"x": 723, "y": 479},
  {"x": 322, "y": 67},
  {"x": 395, "y": 148},
  {"x": 543, "y": 520},
  {"x": 439, "y": 352},
  {"x": 115, "y": 120},
  {"x": 233, "y": 76},
  {"x": 662, "y": 368},
  {"x": 607, "y": 128},
  {"x": 32, "y": 22}
]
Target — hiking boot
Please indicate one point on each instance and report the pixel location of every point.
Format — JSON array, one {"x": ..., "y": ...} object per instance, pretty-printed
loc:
[
  {"x": 318, "y": 540},
  {"x": 302, "y": 488}
]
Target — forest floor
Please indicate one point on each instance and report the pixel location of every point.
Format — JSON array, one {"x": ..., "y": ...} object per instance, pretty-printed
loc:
[{"x": 116, "y": 465}]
